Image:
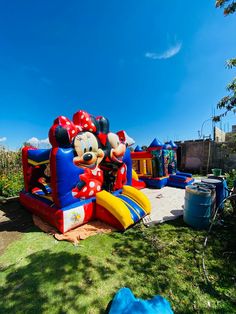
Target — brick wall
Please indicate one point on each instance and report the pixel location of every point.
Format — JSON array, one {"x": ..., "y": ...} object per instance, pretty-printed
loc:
[{"x": 201, "y": 156}]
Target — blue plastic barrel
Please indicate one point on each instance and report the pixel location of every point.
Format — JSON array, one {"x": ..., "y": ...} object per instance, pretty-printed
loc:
[
  {"x": 197, "y": 206},
  {"x": 221, "y": 189},
  {"x": 213, "y": 194}
]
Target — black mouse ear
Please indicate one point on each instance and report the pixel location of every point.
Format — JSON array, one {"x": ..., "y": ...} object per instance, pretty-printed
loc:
[
  {"x": 103, "y": 124},
  {"x": 62, "y": 137},
  {"x": 96, "y": 123}
]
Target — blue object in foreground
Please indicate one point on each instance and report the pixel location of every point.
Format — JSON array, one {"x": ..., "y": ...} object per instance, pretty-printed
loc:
[
  {"x": 125, "y": 302},
  {"x": 221, "y": 189}
]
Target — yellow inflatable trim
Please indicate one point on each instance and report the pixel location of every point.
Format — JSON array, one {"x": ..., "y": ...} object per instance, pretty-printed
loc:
[
  {"x": 35, "y": 163},
  {"x": 116, "y": 207},
  {"x": 134, "y": 175},
  {"x": 138, "y": 197}
]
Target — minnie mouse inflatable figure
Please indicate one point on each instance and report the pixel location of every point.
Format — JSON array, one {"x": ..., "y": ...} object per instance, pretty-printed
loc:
[
  {"x": 88, "y": 156},
  {"x": 97, "y": 150},
  {"x": 109, "y": 149}
]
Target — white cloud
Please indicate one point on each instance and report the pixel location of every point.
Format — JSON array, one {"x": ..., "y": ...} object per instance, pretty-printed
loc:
[
  {"x": 3, "y": 139},
  {"x": 169, "y": 53},
  {"x": 34, "y": 141},
  {"x": 45, "y": 141}
]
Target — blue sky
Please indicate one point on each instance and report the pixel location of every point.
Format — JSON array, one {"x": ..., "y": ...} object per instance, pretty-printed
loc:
[{"x": 154, "y": 68}]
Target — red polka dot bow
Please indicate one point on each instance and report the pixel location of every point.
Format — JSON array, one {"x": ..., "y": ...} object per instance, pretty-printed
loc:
[{"x": 85, "y": 121}]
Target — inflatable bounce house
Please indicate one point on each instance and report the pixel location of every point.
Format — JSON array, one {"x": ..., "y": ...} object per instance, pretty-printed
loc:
[
  {"x": 157, "y": 166},
  {"x": 86, "y": 175}
]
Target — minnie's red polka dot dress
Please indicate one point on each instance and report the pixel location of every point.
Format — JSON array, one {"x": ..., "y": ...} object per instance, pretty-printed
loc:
[{"x": 93, "y": 179}]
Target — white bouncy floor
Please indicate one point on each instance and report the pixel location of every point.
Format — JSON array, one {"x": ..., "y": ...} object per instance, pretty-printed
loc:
[{"x": 167, "y": 204}]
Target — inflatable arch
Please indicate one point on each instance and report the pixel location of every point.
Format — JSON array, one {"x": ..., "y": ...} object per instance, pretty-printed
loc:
[{"x": 86, "y": 175}]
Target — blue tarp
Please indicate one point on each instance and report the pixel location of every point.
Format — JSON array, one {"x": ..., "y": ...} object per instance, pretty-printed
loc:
[{"x": 125, "y": 302}]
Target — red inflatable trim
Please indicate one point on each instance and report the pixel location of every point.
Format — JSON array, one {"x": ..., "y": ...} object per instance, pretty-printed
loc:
[
  {"x": 51, "y": 215},
  {"x": 89, "y": 211},
  {"x": 26, "y": 165},
  {"x": 139, "y": 155},
  {"x": 138, "y": 184},
  {"x": 104, "y": 215}
]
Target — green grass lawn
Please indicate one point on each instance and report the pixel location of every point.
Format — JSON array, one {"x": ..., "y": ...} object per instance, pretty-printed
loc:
[{"x": 41, "y": 275}]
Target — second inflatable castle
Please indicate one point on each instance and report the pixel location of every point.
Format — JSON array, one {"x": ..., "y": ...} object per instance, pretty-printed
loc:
[
  {"x": 86, "y": 175},
  {"x": 156, "y": 166}
]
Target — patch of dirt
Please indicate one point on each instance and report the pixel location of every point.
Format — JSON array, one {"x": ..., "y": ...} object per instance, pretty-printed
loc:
[{"x": 14, "y": 220}]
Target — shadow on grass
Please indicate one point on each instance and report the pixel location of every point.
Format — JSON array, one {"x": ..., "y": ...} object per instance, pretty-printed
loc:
[
  {"x": 14, "y": 220},
  {"x": 220, "y": 261},
  {"x": 167, "y": 260},
  {"x": 14, "y": 217},
  {"x": 53, "y": 282},
  {"x": 164, "y": 259}
]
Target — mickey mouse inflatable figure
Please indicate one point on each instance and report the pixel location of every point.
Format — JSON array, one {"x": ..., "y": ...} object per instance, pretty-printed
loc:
[{"x": 114, "y": 148}]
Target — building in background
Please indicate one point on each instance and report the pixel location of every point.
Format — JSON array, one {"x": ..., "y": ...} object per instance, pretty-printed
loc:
[
  {"x": 231, "y": 136},
  {"x": 200, "y": 156},
  {"x": 219, "y": 135}
]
